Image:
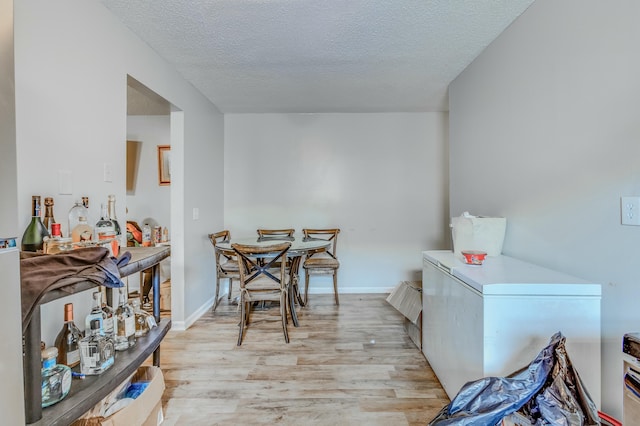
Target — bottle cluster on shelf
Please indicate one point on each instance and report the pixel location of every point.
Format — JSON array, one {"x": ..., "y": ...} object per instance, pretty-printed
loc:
[
  {"x": 93, "y": 352},
  {"x": 47, "y": 236}
]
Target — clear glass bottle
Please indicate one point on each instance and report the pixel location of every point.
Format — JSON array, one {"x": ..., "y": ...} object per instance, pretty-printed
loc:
[
  {"x": 113, "y": 217},
  {"x": 33, "y": 237},
  {"x": 76, "y": 213},
  {"x": 48, "y": 214},
  {"x": 144, "y": 320},
  {"x": 146, "y": 235},
  {"x": 56, "y": 378},
  {"x": 96, "y": 313},
  {"x": 108, "y": 319},
  {"x": 68, "y": 339},
  {"x": 124, "y": 329},
  {"x": 97, "y": 353},
  {"x": 105, "y": 230}
]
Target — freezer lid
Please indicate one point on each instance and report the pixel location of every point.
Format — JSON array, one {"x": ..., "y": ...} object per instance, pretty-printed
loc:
[
  {"x": 444, "y": 259},
  {"x": 504, "y": 275}
]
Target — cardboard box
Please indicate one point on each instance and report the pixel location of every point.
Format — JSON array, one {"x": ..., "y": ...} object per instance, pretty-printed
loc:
[
  {"x": 406, "y": 297},
  {"x": 145, "y": 410},
  {"x": 165, "y": 296}
]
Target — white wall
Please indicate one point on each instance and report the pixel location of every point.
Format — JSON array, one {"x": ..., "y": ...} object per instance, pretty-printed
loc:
[
  {"x": 381, "y": 178},
  {"x": 72, "y": 61},
  {"x": 544, "y": 130}
]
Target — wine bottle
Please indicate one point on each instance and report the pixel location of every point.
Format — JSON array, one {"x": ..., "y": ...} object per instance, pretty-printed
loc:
[
  {"x": 33, "y": 237},
  {"x": 68, "y": 339},
  {"x": 48, "y": 214},
  {"x": 105, "y": 230}
]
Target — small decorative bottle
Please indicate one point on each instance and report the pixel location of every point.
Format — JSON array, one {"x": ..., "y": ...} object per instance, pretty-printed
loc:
[
  {"x": 105, "y": 230},
  {"x": 68, "y": 339},
  {"x": 56, "y": 378},
  {"x": 124, "y": 329},
  {"x": 48, "y": 214},
  {"x": 144, "y": 320},
  {"x": 96, "y": 352},
  {"x": 112, "y": 216},
  {"x": 33, "y": 237},
  {"x": 96, "y": 313},
  {"x": 146, "y": 235}
]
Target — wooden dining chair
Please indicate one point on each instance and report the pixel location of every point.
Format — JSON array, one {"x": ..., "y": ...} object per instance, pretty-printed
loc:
[
  {"x": 323, "y": 261},
  {"x": 276, "y": 234},
  {"x": 226, "y": 264},
  {"x": 259, "y": 282}
]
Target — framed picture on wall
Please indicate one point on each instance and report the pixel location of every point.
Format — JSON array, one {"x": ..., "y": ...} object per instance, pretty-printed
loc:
[{"x": 164, "y": 164}]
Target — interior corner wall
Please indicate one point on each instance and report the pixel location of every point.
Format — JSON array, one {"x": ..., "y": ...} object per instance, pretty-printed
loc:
[
  {"x": 72, "y": 58},
  {"x": 544, "y": 130},
  {"x": 11, "y": 386},
  {"x": 380, "y": 178}
]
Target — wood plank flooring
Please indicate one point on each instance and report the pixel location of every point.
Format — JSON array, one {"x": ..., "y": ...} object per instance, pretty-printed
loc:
[{"x": 351, "y": 364}]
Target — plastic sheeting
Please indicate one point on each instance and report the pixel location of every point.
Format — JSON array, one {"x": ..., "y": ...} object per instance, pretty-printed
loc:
[{"x": 548, "y": 391}]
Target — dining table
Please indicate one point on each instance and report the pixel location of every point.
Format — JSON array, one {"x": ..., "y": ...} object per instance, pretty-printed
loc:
[{"x": 299, "y": 248}]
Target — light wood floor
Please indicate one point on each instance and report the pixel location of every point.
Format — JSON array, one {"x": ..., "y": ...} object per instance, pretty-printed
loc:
[{"x": 347, "y": 365}]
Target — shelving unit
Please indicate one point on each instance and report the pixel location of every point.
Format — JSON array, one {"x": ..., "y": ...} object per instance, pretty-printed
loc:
[{"x": 84, "y": 394}]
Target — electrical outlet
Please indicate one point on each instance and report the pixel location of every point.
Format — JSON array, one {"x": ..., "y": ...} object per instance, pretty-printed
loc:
[
  {"x": 630, "y": 210},
  {"x": 196, "y": 213}
]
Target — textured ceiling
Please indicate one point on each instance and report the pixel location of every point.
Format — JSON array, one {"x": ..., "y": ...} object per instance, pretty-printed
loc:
[{"x": 319, "y": 55}]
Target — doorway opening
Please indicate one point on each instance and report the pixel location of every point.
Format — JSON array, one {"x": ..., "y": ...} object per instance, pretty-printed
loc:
[{"x": 148, "y": 200}]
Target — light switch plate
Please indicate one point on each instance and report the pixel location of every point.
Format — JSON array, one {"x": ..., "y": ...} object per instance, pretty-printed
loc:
[
  {"x": 630, "y": 210},
  {"x": 65, "y": 186},
  {"x": 108, "y": 172}
]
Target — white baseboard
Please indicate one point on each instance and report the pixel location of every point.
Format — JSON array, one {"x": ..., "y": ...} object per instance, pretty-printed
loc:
[{"x": 183, "y": 325}]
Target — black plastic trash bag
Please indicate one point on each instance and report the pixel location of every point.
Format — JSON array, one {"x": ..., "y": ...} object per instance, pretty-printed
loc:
[{"x": 548, "y": 391}]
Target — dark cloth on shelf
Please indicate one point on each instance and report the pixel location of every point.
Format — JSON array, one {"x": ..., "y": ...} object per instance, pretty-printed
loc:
[{"x": 40, "y": 273}]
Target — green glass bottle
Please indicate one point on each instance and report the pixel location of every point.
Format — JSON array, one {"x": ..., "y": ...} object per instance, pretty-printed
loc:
[{"x": 33, "y": 237}]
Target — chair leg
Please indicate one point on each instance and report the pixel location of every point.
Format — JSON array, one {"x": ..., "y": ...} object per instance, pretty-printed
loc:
[
  {"x": 230, "y": 288},
  {"x": 215, "y": 301},
  {"x": 335, "y": 286},
  {"x": 283, "y": 314},
  {"x": 243, "y": 320},
  {"x": 306, "y": 286}
]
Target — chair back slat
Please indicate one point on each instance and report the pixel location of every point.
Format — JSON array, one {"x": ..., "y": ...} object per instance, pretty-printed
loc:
[
  {"x": 330, "y": 234},
  {"x": 276, "y": 234}
]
